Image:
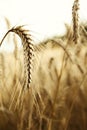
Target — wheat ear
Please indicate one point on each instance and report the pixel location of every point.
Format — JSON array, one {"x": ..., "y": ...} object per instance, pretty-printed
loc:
[
  {"x": 27, "y": 49},
  {"x": 75, "y": 16}
]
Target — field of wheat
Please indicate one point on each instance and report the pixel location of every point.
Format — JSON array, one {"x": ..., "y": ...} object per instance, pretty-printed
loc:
[{"x": 44, "y": 86}]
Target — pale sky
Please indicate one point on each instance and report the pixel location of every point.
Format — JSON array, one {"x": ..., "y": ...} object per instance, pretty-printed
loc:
[{"x": 44, "y": 17}]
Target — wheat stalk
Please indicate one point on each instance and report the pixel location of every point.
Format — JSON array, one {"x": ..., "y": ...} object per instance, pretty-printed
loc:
[
  {"x": 27, "y": 49},
  {"x": 75, "y": 16}
]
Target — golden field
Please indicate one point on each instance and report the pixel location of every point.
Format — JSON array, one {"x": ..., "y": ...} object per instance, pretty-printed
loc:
[{"x": 44, "y": 86}]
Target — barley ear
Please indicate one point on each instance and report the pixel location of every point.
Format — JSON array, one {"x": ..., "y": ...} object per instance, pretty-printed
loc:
[
  {"x": 75, "y": 17},
  {"x": 27, "y": 50}
]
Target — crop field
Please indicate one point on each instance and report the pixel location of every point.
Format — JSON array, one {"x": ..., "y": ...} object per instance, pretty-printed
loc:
[{"x": 44, "y": 86}]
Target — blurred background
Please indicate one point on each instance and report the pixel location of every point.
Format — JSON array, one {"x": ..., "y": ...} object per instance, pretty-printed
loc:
[{"x": 45, "y": 18}]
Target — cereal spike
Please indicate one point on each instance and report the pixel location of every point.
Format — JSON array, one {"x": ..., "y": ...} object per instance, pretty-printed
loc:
[
  {"x": 27, "y": 49},
  {"x": 75, "y": 16}
]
